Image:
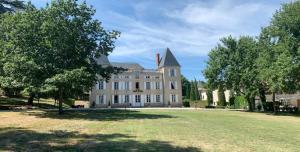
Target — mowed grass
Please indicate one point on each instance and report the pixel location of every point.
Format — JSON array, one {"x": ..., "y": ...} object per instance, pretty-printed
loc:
[{"x": 148, "y": 130}]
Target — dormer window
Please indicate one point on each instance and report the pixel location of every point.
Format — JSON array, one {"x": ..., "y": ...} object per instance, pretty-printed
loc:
[
  {"x": 172, "y": 72},
  {"x": 137, "y": 85},
  {"x": 137, "y": 75},
  {"x": 147, "y": 77}
]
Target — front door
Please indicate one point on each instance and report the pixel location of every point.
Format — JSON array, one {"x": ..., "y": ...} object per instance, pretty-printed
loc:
[{"x": 138, "y": 102}]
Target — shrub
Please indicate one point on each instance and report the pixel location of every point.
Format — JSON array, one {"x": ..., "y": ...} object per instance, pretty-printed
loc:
[
  {"x": 199, "y": 103},
  {"x": 70, "y": 101},
  {"x": 231, "y": 101},
  {"x": 220, "y": 107},
  {"x": 269, "y": 106},
  {"x": 210, "y": 106},
  {"x": 240, "y": 102},
  {"x": 259, "y": 107},
  {"x": 186, "y": 103}
]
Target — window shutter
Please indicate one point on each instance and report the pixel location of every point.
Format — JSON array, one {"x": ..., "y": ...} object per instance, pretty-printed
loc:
[
  {"x": 97, "y": 85},
  {"x": 176, "y": 97},
  {"x": 170, "y": 96},
  {"x": 112, "y": 86},
  {"x": 160, "y": 87},
  {"x": 176, "y": 85},
  {"x": 112, "y": 99},
  {"x": 170, "y": 86},
  {"x": 175, "y": 72},
  {"x": 133, "y": 98},
  {"x": 144, "y": 85},
  {"x": 130, "y": 85},
  {"x": 97, "y": 99},
  {"x": 104, "y": 85},
  {"x": 169, "y": 72},
  {"x": 104, "y": 99},
  {"x": 152, "y": 98}
]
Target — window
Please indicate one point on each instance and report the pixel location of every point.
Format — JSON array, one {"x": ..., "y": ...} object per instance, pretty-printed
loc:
[
  {"x": 147, "y": 77},
  {"x": 157, "y": 77},
  {"x": 172, "y": 72},
  {"x": 116, "y": 77},
  {"x": 148, "y": 98},
  {"x": 137, "y": 85},
  {"x": 126, "y": 98},
  {"x": 126, "y": 85},
  {"x": 148, "y": 85},
  {"x": 116, "y": 85},
  {"x": 157, "y": 98},
  {"x": 126, "y": 77},
  {"x": 173, "y": 98},
  {"x": 157, "y": 85},
  {"x": 173, "y": 85},
  {"x": 137, "y": 75},
  {"x": 101, "y": 99},
  {"x": 101, "y": 85},
  {"x": 116, "y": 99},
  {"x": 138, "y": 98}
]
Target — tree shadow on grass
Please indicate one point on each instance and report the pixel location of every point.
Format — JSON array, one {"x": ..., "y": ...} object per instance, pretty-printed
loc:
[
  {"x": 280, "y": 113},
  {"x": 20, "y": 139},
  {"x": 99, "y": 115},
  {"x": 12, "y": 103}
]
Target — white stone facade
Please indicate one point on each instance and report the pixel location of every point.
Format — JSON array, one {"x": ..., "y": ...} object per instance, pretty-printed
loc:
[{"x": 139, "y": 87}]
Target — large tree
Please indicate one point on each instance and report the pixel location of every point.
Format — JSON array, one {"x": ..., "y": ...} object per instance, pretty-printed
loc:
[
  {"x": 279, "y": 58},
  {"x": 186, "y": 87},
  {"x": 232, "y": 66},
  {"x": 60, "y": 43},
  {"x": 10, "y": 5}
]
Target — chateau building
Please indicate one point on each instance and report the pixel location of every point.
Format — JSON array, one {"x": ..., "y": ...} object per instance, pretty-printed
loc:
[{"x": 140, "y": 87}]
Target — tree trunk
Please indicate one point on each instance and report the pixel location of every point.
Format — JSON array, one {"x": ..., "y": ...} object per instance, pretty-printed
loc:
[
  {"x": 252, "y": 100},
  {"x": 30, "y": 99},
  {"x": 262, "y": 96},
  {"x": 60, "y": 102},
  {"x": 274, "y": 103},
  {"x": 250, "y": 105}
]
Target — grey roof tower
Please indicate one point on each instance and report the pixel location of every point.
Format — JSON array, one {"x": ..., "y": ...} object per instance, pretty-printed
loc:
[
  {"x": 168, "y": 60},
  {"x": 103, "y": 60}
]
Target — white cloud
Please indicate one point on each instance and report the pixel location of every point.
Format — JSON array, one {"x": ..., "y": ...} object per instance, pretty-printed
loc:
[{"x": 192, "y": 30}]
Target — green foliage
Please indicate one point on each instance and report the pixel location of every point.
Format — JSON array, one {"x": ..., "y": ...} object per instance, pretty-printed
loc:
[
  {"x": 54, "y": 49},
  {"x": 209, "y": 94},
  {"x": 279, "y": 45},
  {"x": 188, "y": 92},
  {"x": 186, "y": 87},
  {"x": 70, "y": 102},
  {"x": 192, "y": 92},
  {"x": 240, "y": 102},
  {"x": 186, "y": 103},
  {"x": 221, "y": 97},
  {"x": 199, "y": 103},
  {"x": 232, "y": 66}
]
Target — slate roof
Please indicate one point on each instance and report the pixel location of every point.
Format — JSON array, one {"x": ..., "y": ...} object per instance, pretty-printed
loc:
[
  {"x": 127, "y": 65},
  {"x": 168, "y": 59},
  {"x": 103, "y": 60}
]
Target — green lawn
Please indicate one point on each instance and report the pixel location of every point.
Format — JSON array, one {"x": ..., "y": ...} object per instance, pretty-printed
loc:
[
  {"x": 148, "y": 130},
  {"x": 15, "y": 103}
]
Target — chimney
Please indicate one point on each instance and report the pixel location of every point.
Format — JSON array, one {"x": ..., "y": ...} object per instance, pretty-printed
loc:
[{"x": 157, "y": 59}]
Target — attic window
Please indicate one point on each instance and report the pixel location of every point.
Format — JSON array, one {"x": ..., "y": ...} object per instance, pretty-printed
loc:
[{"x": 172, "y": 72}]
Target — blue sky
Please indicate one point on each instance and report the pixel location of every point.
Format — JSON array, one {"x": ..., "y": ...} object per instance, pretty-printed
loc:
[{"x": 190, "y": 28}]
